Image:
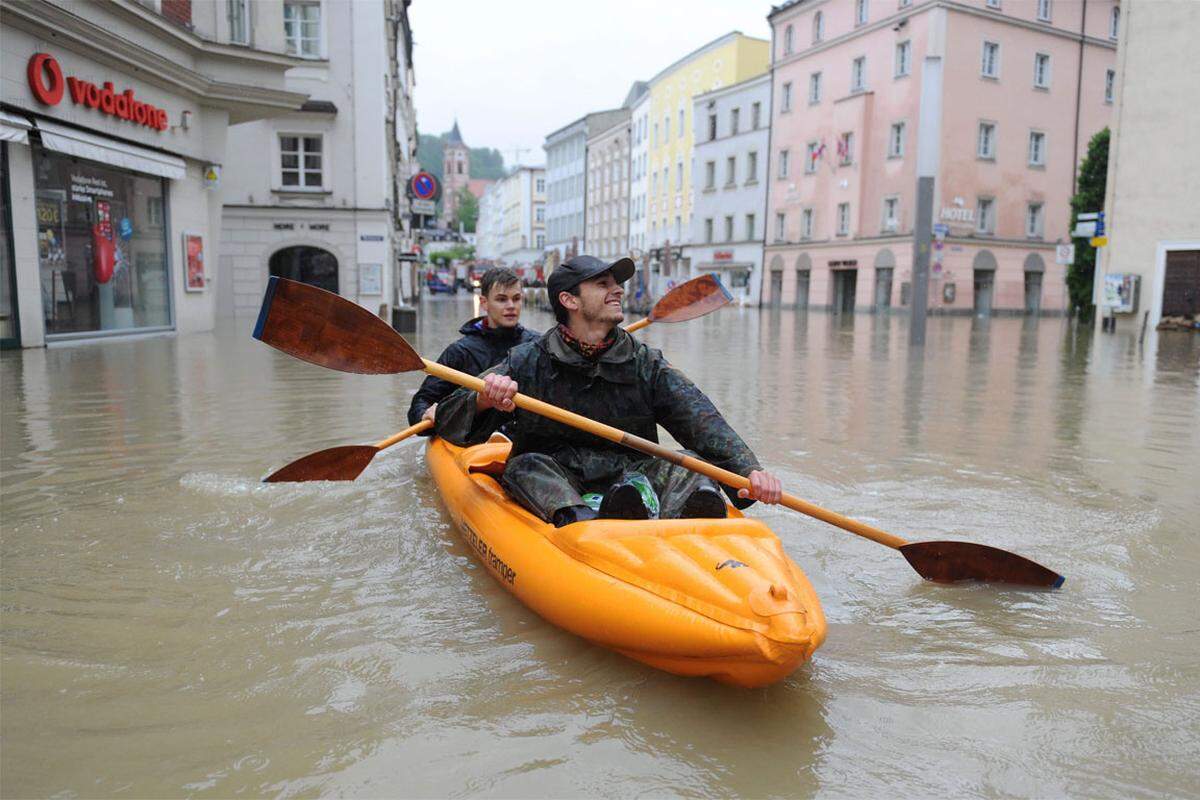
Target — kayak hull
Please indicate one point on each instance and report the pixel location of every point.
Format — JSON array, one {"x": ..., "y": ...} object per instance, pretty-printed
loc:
[{"x": 713, "y": 598}]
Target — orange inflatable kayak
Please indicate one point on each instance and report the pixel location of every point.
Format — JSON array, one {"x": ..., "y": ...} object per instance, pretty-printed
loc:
[{"x": 711, "y": 597}]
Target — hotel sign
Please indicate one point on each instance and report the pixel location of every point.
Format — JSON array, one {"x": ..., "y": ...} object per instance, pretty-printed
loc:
[
  {"x": 48, "y": 85},
  {"x": 954, "y": 214}
]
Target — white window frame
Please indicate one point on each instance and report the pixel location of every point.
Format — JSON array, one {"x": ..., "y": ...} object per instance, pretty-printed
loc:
[
  {"x": 862, "y": 12},
  {"x": 990, "y": 153},
  {"x": 730, "y": 170},
  {"x": 231, "y": 16},
  {"x": 993, "y": 4},
  {"x": 994, "y": 74},
  {"x": 785, "y": 98},
  {"x": 729, "y": 227},
  {"x": 299, "y": 43},
  {"x": 710, "y": 175},
  {"x": 752, "y": 167},
  {"x": 751, "y": 226},
  {"x": 891, "y": 222},
  {"x": 1114, "y": 22},
  {"x": 755, "y": 116},
  {"x": 1043, "y": 10},
  {"x": 896, "y": 135},
  {"x": 1037, "y": 157},
  {"x": 708, "y": 230},
  {"x": 679, "y": 175},
  {"x": 814, "y": 88},
  {"x": 847, "y": 139},
  {"x": 780, "y": 226},
  {"x": 789, "y": 37},
  {"x": 301, "y": 170},
  {"x": 1110, "y": 85},
  {"x": 735, "y": 121},
  {"x": 843, "y": 219},
  {"x": 985, "y": 218},
  {"x": 858, "y": 75},
  {"x": 784, "y": 162},
  {"x": 1035, "y": 215},
  {"x": 1041, "y": 81},
  {"x": 818, "y": 27},
  {"x": 903, "y": 58},
  {"x": 810, "y": 163},
  {"x": 807, "y": 223}
]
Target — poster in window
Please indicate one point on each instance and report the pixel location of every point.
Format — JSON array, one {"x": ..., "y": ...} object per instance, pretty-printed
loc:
[{"x": 193, "y": 261}]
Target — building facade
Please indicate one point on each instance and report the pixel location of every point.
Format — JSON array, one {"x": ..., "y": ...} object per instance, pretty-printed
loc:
[
  {"x": 729, "y": 191},
  {"x": 1153, "y": 165},
  {"x": 566, "y": 179},
  {"x": 456, "y": 175},
  {"x": 639, "y": 183},
  {"x": 730, "y": 59},
  {"x": 606, "y": 210},
  {"x": 1023, "y": 87},
  {"x": 522, "y": 234},
  {"x": 113, "y": 137},
  {"x": 311, "y": 195},
  {"x": 491, "y": 222}
]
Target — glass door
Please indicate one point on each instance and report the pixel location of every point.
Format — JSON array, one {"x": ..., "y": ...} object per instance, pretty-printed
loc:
[{"x": 10, "y": 335}]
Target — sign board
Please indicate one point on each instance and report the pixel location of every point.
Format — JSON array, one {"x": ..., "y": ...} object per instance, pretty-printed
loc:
[
  {"x": 424, "y": 186},
  {"x": 370, "y": 237},
  {"x": 1120, "y": 293},
  {"x": 1089, "y": 226},
  {"x": 1098, "y": 241},
  {"x": 723, "y": 255},
  {"x": 370, "y": 279},
  {"x": 193, "y": 259},
  {"x": 212, "y": 176},
  {"x": 940, "y": 229},
  {"x": 423, "y": 206},
  {"x": 1064, "y": 254},
  {"x": 954, "y": 214}
]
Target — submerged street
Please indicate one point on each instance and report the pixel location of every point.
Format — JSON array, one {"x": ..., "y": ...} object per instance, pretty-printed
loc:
[{"x": 172, "y": 626}]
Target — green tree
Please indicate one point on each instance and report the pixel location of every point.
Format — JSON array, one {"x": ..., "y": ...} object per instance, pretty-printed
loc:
[
  {"x": 460, "y": 252},
  {"x": 467, "y": 213},
  {"x": 1089, "y": 197}
]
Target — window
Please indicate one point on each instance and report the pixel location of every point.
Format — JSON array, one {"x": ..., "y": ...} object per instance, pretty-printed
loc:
[
  {"x": 987, "y": 140},
  {"x": 666, "y": 181},
  {"x": 541, "y": 241},
  {"x": 814, "y": 88},
  {"x": 755, "y": 115},
  {"x": 846, "y": 148},
  {"x": 300, "y": 161},
  {"x": 858, "y": 74},
  {"x": 1041, "y": 71},
  {"x": 712, "y": 127},
  {"x": 985, "y": 221},
  {"x": 239, "y": 21},
  {"x": 302, "y": 29},
  {"x": 1037, "y": 149},
  {"x": 891, "y": 213},
  {"x": 812, "y": 153},
  {"x": 1110, "y": 83},
  {"x": 1043, "y": 10},
  {"x": 731, "y": 171},
  {"x": 783, "y": 163},
  {"x": 903, "y": 59},
  {"x": 710, "y": 174},
  {"x": 678, "y": 228},
  {"x": 679, "y": 175},
  {"x": 752, "y": 167},
  {"x": 749, "y": 227},
  {"x": 843, "y": 219},
  {"x": 818, "y": 27},
  {"x": 733, "y": 121},
  {"x": 667, "y": 128},
  {"x": 541, "y": 186},
  {"x": 905, "y": 3},
  {"x": 729, "y": 228},
  {"x": 787, "y": 41},
  {"x": 682, "y": 128},
  {"x": 655, "y": 134},
  {"x": 806, "y": 223},
  {"x": 708, "y": 230},
  {"x": 1114, "y": 22},
  {"x": 990, "y": 68},
  {"x": 654, "y": 183},
  {"x": 896, "y": 141},
  {"x": 540, "y": 214},
  {"x": 1033, "y": 221},
  {"x": 860, "y": 12},
  {"x": 780, "y": 227},
  {"x": 785, "y": 102},
  {"x": 993, "y": 3}
]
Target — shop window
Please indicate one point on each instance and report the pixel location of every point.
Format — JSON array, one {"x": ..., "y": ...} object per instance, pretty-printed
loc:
[
  {"x": 300, "y": 162},
  {"x": 102, "y": 247},
  {"x": 302, "y": 29},
  {"x": 310, "y": 265}
]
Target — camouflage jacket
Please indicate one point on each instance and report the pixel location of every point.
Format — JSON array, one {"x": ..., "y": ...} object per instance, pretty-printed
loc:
[{"x": 631, "y": 387}]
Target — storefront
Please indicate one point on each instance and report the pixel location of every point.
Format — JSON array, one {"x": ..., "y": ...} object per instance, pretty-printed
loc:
[{"x": 112, "y": 154}]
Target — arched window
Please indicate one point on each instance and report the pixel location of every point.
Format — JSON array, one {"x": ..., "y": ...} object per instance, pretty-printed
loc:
[
  {"x": 787, "y": 40},
  {"x": 818, "y": 27},
  {"x": 309, "y": 265}
]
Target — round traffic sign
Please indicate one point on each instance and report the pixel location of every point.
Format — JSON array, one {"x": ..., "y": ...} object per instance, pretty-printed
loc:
[{"x": 424, "y": 186}]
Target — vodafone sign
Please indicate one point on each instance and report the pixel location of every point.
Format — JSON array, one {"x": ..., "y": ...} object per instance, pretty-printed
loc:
[{"x": 48, "y": 85}]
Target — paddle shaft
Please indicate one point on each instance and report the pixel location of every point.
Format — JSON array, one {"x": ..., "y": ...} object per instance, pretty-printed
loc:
[
  {"x": 641, "y": 323},
  {"x": 411, "y": 430},
  {"x": 657, "y": 450}
]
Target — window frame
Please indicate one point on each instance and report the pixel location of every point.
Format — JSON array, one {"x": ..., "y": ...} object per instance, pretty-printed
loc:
[
  {"x": 807, "y": 223},
  {"x": 897, "y": 150},
  {"x": 903, "y": 67},
  {"x": 1114, "y": 23},
  {"x": 979, "y": 154},
  {"x": 894, "y": 200},
  {"x": 1045, "y": 11},
  {"x": 780, "y": 226},
  {"x": 988, "y": 229},
  {"x": 858, "y": 75},
  {"x": 301, "y": 170},
  {"x": 785, "y": 98},
  {"x": 1040, "y": 137},
  {"x": 248, "y": 37},
  {"x": 789, "y": 44},
  {"x": 1110, "y": 86},
  {"x": 1044, "y": 83},
  {"x": 710, "y": 176},
  {"x": 818, "y": 27},
  {"x": 752, "y": 167},
  {"x": 784, "y": 163},
  {"x": 983, "y": 61},
  {"x": 320, "y": 53},
  {"x": 810, "y": 161},
  {"x": 751, "y": 226},
  {"x": 814, "y": 88},
  {"x": 862, "y": 12},
  {"x": 730, "y": 171},
  {"x": 846, "y": 139},
  {"x": 843, "y": 219},
  {"x": 1038, "y": 229}
]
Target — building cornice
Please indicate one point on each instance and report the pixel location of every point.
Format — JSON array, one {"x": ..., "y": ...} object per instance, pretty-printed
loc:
[{"x": 904, "y": 238}]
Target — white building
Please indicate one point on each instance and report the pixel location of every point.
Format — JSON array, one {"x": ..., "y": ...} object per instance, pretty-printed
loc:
[
  {"x": 639, "y": 154},
  {"x": 566, "y": 178},
  {"x": 729, "y": 185},
  {"x": 313, "y": 195},
  {"x": 522, "y": 237},
  {"x": 606, "y": 211},
  {"x": 490, "y": 223},
  {"x": 113, "y": 134}
]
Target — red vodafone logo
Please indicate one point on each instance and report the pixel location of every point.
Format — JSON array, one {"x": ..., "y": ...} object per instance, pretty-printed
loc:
[
  {"x": 46, "y": 79},
  {"x": 48, "y": 85}
]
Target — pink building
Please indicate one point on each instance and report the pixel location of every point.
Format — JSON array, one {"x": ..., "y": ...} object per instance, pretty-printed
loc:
[{"x": 1026, "y": 83}]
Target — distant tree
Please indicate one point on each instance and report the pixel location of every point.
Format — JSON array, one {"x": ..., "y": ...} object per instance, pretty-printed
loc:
[
  {"x": 1089, "y": 197},
  {"x": 467, "y": 213},
  {"x": 460, "y": 252},
  {"x": 486, "y": 162}
]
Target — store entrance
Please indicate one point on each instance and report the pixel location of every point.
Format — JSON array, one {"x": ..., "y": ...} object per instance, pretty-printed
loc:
[
  {"x": 310, "y": 265},
  {"x": 9, "y": 336}
]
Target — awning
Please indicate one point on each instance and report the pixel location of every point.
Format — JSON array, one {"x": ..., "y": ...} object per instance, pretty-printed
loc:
[
  {"x": 109, "y": 151},
  {"x": 14, "y": 129}
]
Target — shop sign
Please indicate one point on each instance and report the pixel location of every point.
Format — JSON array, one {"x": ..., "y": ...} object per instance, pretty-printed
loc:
[
  {"x": 852, "y": 262},
  {"x": 370, "y": 237},
  {"x": 723, "y": 255},
  {"x": 193, "y": 255},
  {"x": 48, "y": 85},
  {"x": 953, "y": 214}
]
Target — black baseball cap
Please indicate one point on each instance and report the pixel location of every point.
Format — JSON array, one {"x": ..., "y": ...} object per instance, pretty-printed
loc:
[{"x": 578, "y": 269}]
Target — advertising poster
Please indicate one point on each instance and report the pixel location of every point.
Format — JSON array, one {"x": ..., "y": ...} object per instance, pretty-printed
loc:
[{"x": 193, "y": 259}]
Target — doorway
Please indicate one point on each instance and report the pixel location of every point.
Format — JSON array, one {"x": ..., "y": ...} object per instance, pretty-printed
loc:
[
  {"x": 776, "y": 289},
  {"x": 310, "y": 265},
  {"x": 985, "y": 282},
  {"x": 1181, "y": 284},
  {"x": 883, "y": 289},
  {"x": 845, "y": 285},
  {"x": 802, "y": 279}
]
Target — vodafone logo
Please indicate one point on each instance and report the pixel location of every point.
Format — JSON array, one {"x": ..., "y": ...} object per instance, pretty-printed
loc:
[{"x": 48, "y": 85}]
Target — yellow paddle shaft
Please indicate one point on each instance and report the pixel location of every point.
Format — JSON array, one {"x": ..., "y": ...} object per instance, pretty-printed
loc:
[
  {"x": 653, "y": 449},
  {"x": 637, "y": 326},
  {"x": 411, "y": 430}
]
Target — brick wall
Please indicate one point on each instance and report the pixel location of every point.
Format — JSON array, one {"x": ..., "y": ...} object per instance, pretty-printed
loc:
[{"x": 178, "y": 11}]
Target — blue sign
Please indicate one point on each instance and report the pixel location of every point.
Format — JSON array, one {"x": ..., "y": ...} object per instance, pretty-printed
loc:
[
  {"x": 941, "y": 229},
  {"x": 1100, "y": 224},
  {"x": 125, "y": 228}
]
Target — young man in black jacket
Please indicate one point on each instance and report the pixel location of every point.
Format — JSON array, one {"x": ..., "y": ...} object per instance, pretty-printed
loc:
[{"x": 485, "y": 340}]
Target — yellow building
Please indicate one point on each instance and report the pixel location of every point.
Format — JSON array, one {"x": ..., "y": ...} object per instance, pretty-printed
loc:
[{"x": 667, "y": 131}]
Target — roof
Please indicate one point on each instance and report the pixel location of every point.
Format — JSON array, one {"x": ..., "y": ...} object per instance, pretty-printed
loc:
[
  {"x": 318, "y": 107},
  {"x": 762, "y": 77},
  {"x": 454, "y": 137},
  {"x": 638, "y": 89},
  {"x": 715, "y": 43}
]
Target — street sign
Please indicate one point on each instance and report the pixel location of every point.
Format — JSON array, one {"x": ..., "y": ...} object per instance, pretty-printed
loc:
[
  {"x": 424, "y": 186},
  {"x": 940, "y": 229},
  {"x": 423, "y": 206},
  {"x": 1098, "y": 241},
  {"x": 1089, "y": 225},
  {"x": 1064, "y": 254}
]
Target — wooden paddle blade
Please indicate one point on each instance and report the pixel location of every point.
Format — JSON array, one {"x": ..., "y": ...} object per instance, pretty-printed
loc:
[
  {"x": 949, "y": 562},
  {"x": 322, "y": 328},
  {"x": 335, "y": 464},
  {"x": 697, "y": 297}
]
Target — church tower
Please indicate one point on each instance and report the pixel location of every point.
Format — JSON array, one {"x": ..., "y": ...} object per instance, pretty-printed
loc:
[{"x": 456, "y": 172}]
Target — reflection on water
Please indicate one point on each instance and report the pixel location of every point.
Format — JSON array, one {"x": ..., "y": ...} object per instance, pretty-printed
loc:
[{"x": 173, "y": 626}]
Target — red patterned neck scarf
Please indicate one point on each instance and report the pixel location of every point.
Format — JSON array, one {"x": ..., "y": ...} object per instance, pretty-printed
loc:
[{"x": 589, "y": 351}]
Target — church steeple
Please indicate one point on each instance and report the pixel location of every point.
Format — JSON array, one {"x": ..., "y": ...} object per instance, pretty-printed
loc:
[{"x": 454, "y": 137}]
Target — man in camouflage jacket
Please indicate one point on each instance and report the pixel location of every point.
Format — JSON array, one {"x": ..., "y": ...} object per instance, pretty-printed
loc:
[{"x": 592, "y": 367}]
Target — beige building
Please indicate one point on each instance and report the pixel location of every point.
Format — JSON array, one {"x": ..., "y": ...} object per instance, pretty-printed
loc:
[
  {"x": 1152, "y": 218},
  {"x": 522, "y": 235},
  {"x": 607, "y": 198}
]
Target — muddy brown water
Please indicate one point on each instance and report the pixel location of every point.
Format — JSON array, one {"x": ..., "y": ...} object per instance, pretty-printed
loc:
[{"x": 173, "y": 627}]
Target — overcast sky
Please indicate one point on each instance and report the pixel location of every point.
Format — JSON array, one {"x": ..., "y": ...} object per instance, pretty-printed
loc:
[{"x": 512, "y": 72}]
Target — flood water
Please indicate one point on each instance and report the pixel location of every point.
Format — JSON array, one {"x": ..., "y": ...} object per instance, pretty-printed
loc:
[{"x": 171, "y": 626}]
